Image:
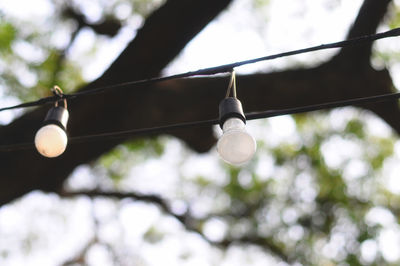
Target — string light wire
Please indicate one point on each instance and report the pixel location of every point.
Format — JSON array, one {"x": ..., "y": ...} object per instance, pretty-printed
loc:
[
  {"x": 211, "y": 70},
  {"x": 211, "y": 122}
]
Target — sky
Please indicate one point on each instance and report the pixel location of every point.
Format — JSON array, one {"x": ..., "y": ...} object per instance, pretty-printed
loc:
[{"x": 281, "y": 26}]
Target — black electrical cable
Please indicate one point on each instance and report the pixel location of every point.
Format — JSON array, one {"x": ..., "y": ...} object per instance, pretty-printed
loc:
[
  {"x": 321, "y": 106},
  {"x": 204, "y": 123},
  {"x": 41, "y": 101},
  {"x": 212, "y": 70}
]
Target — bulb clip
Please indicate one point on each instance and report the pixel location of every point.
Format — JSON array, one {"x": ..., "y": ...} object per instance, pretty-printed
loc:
[
  {"x": 57, "y": 115},
  {"x": 228, "y": 108}
]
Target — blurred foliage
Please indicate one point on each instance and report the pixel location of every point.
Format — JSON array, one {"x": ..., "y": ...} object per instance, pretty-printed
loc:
[
  {"x": 311, "y": 211},
  {"x": 388, "y": 55},
  {"x": 117, "y": 163},
  {"x": 306, "y": 206},
  {"x": 7, "y": 36},
  {"x": 394, "y": 19},
  {"x": 261, "y": 3},
  {"x": 34, "y": 58}
]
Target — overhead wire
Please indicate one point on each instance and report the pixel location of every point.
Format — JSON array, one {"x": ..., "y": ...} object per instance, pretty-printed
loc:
[{"x": 210, "y": 70}]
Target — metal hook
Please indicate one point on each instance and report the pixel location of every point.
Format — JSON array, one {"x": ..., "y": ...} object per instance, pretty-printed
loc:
[
  {"x": 232, "y": 84},
  {"x": 57, "y": 91}
]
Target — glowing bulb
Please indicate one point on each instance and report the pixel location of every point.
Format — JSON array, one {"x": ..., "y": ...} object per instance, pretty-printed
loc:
[
  {"x": 236, "y": 146},
  {"x": 51, "y": 140}
]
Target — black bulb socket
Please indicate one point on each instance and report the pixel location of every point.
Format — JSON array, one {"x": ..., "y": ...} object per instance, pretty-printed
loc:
[
  {"x": 58, "y": 116},
  {"x": 228, "y": 108}
]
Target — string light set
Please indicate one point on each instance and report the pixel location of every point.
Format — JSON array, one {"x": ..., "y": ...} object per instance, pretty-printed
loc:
[{"x": 236, "y": 146}]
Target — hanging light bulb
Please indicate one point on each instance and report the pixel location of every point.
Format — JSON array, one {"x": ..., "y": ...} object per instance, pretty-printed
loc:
[
  {"x": 236, "y": 146},
  {"x": 51, "y": 139}
]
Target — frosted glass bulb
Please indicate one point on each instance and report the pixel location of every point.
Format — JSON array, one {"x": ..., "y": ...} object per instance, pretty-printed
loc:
[
  {"x": 51, "y": 141},
  {"x": 236, "y": 146}
]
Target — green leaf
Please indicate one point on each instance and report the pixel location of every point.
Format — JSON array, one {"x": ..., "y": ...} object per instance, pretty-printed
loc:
[{"x": 7, "y": 35}]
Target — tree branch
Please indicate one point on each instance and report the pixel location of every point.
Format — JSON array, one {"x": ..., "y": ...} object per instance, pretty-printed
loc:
[
  {"x": 109, "y": 26},
  {"x": 154, "y": 199},
  {"x": 80, "y": 257},
  {"x": 180, "y": 101},
  {"x": 368, "y": 19},
  {"x": 189, "y": 222}
]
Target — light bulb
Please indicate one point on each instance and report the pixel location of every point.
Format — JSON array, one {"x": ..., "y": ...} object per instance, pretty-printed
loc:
[
  {"x": 51, "y": 139},
  {"x": 236, "y": 146}
]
